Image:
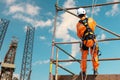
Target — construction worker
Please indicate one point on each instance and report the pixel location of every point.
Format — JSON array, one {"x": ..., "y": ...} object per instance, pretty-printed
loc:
[{"x": 85, "y": 31}]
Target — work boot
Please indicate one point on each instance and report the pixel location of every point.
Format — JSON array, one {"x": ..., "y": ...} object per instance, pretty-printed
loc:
[
  {"x": 83, "y": 73},
  {"x": 95, "y": 72}
]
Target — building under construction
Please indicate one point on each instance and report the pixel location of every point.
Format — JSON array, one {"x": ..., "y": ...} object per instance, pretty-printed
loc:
[{"x": 56, "y": 49}]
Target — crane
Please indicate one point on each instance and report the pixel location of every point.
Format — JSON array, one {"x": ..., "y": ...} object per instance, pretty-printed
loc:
[
  {"x": 3, "y": 28},
  {"x": 27, "y": 54}
]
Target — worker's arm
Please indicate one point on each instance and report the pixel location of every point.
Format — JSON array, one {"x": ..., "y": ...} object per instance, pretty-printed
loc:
[
  {"x": 91, "y": 23},
  {"x": 80, "y": 29}
]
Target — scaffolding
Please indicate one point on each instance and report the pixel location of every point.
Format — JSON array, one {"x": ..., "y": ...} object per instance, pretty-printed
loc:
[{"x": 55, "y": 44}]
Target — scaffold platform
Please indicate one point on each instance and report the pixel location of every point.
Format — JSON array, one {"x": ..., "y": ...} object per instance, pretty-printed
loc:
[{"x": 89, "y": 77}]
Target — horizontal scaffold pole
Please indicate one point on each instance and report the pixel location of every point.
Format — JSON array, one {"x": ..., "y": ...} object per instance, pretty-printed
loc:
[
  {"x": 108, "y": 30},
  {"x": 102, "y": 59},
  {"x": 109, "y": 39},
  {"x": 96, "y": 5},
  {"x": 75, "y": 42}
]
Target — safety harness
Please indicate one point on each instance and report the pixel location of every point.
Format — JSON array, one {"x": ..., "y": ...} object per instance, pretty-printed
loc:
[{"x": 88, "y": 33}]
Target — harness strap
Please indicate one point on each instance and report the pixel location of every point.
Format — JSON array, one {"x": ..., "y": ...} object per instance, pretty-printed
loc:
[{"x": 88, "y": 31}]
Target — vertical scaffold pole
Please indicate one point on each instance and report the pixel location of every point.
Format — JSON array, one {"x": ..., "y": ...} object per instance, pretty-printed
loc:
[
  {"x": 53, "y": 40},
  {"x": 56, "y": 70}
]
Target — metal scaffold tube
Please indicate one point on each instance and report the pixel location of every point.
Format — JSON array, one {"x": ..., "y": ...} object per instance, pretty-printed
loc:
[
  {"x": 108, "y": 31},
  {"x": 102, "y": 59},
  {"x": 76, "y": 42},
  {"x": 109, "y": 39},
  {"x": 97, "y": 5},
  {"x": 56, "y": 71},
  {"x": 53, "y": 40}
]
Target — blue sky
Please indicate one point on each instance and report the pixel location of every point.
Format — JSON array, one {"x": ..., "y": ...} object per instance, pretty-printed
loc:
[{"x": 40, "y": 14}]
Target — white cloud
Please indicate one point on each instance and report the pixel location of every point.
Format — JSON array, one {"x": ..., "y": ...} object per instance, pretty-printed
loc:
[
  {"x": 24, "y": 8},
  {"x": 103, "y": 36},
  {"x": 41, "y": 62},
  {"x": 23, "y": 18},
  {"x": 28, "y": 13},
  {"x": 35, "y": 23},
  {"x": 42, "y": 37},
  {"x": 69, "y": 3},
  {"x": 9, "y": 2},
  {"x": 32, "y": 10},
  {"x": 43, "y": 23},
  {"x": 115, "y": 9},
  {"x": 95, "y": 11},
  {"x": 15, "y": 8},
  {"x": 75, "y": 49},
  {"x": 66, "y": 22}
]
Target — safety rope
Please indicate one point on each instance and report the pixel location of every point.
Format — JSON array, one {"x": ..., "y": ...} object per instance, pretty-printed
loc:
[{"x": 93, "y": 3}]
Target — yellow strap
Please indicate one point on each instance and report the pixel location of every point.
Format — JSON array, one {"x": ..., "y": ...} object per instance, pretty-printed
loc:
[{"x": 88, "y": 33}]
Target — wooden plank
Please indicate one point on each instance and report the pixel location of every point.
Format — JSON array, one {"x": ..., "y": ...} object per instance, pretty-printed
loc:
[{"x": 90, "y": 77}]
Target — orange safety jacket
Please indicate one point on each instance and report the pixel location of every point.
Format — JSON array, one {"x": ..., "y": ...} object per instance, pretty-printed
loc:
[{"x": 81, "y": 28}]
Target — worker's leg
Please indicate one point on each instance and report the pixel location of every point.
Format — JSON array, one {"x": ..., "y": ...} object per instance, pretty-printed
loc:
[
  {"x": 84, "y": 51},
  {"x": 84, "y": 60},
  {"x": 94, "y": 54}
]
